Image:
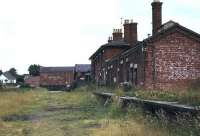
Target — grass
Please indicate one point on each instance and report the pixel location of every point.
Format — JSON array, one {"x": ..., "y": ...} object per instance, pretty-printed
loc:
[
  {"x": 126, "y": 128},
  {"x": 136, "y": 122},
  {"x": 53, "y": 114},
  {"x": 14, "y": 102},
  {"x": 189, "y": 96},
  {"x": 78, "y": 113}
]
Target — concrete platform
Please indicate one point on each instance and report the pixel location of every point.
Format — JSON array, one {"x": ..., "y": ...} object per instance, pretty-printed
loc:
[{"x": 172, "y": 108}]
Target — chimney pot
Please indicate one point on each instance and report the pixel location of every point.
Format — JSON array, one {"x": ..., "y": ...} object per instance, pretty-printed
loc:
[
  {"x": 130, "y": 32},
  {"x": 126, "y": 21},
  {"x": 109, "y": 39},
  {"x": 117, "y": 34}
]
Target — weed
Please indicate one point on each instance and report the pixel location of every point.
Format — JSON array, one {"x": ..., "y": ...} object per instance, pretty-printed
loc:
[{"x": 79, "y": 113}]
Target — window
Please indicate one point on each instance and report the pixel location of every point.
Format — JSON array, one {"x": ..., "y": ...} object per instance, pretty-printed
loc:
[{"x": 134, "y": 74}]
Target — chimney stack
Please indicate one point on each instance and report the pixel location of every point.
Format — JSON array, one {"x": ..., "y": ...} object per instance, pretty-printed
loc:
[
  {"x": 117, "y": 34},
  {"x": 130, "y": 32},
  {"x": 156, "y": 15},
  {"x": 109, "y": 39}
]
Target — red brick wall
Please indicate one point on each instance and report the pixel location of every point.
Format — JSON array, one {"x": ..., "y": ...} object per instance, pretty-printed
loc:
[
  {"x": 100, "y": 61},
  {"x": 149, "y": 72},
  {"x": 69, "y": 77},
  {"x": 59, "y": 78},
  {"x": 171, "y": 62},
  {"x": 156, "y": 16},
  {"x": 177, "y": 61},
  {"x": 33, "y": 81},
  {"x": 110, "y": 53},
  {"x": 126, "y": 68},
  {"x": 130, "y": 33}
]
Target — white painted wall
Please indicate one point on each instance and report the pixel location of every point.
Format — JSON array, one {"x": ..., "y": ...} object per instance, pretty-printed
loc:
[{"x": 4, "y": 80}]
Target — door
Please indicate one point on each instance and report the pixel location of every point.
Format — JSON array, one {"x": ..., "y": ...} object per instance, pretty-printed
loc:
[{"x": 134, "y": 76}]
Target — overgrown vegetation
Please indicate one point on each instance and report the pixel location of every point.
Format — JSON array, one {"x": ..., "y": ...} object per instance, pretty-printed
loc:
[
  {"x": 41, "y": 113},
  {"x": 37, "y": 112},
  {"x": 189, "y": 96},
  {"x": 136, "y": 122}
]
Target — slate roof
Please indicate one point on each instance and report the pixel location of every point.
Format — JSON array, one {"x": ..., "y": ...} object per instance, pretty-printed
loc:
[
  {"x": 55, "y": 69},
  {"x": 165, "y": 29},
  {"x": 82, "y": 67},
  {"x": 171, "y": 26},
  {"x": 112, "y": 44},
  {"x": 9, "y": 76}
]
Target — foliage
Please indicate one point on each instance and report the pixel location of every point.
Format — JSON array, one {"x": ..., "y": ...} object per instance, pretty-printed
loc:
[
  {"x": 50, "y": 113},
  {"x": 126, "y": 86},
  {"x": 16, "y": 101},
  {"x": 20, "y": 78},
  {"x": 77, "y": 113},
  {"x": 189, "y": 97},
  {"x": 24, "y": 85},
  {"x": 127, "y": 128},
  {"x": 1, "y": 72},
  {"x": 34, "y": 70},
  {"x": 136, "y": 122},
  {"x": 119, "y": 92},
  {"x": 157, "y": 95}
]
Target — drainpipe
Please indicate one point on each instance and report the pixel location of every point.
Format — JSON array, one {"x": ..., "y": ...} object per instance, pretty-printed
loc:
[
  {"x": 144, "y": 60},
  {"x": 154, "y": 65}
]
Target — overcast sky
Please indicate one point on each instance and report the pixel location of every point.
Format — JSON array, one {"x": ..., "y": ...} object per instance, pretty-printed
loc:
[{"x": 67, "y": 32}]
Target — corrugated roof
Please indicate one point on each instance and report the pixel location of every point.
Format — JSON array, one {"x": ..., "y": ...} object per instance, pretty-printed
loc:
[{"x": 55, "y": 69}]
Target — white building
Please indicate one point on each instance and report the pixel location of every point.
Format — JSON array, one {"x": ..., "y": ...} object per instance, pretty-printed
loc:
[{"x": 7, "y": 78}]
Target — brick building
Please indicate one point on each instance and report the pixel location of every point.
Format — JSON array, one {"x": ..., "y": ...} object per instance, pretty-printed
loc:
[
  {"x": 56, "y": 76},
  {"x": 33, "y": 81},
  {"x": 82, "y": 72},
  {"x": 170, "y": 58},
  {"x": 59, "y": 77}
]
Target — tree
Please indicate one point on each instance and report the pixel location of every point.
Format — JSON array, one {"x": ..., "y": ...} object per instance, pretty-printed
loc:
[
  {"x": 1, "y": 72},
  {"x": 20, "y": 79},
  {"x": 34, "y": 70},
  {"x": 13, "y": 71}
]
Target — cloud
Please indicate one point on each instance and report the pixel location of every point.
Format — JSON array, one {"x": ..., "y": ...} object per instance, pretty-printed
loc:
[
  {"x": 188, "y": 3},
  {"x": 65, "y": 32},
  {"x": 53, "y": 32}
]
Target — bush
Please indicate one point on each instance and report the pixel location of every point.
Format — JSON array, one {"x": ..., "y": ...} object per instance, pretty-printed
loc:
[
  {"x": 25, "y": 86},
  {"x": 119, "y": 92}
]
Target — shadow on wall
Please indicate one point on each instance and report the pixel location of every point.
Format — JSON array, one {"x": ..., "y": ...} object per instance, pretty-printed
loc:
[{"x": 195, "y": 85}]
